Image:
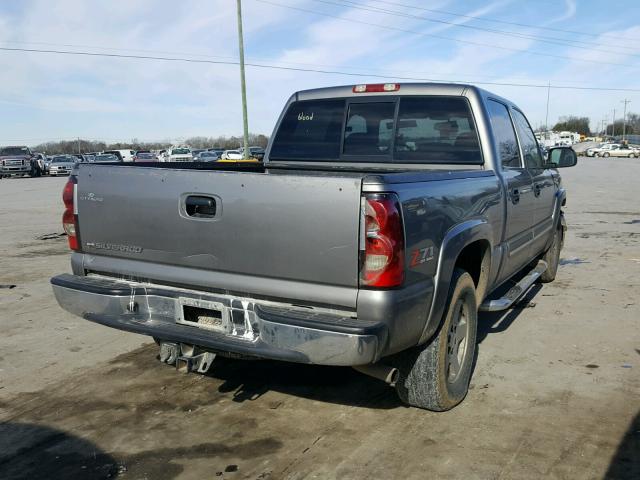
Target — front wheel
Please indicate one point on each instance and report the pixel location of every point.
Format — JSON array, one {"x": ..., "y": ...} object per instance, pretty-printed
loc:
[
  {"x": 605, "y": 154},
  {"x": 552, "y": 257},
  {"x": 436, "y": 376}
]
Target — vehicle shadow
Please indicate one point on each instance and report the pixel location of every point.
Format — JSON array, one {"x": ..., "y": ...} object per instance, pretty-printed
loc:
[
  {"x": 36, "y": 452},
  {"x": 496, "y": 322},
  {"x": 248, "y": 380},
  {"x": 625, "y": 464}
]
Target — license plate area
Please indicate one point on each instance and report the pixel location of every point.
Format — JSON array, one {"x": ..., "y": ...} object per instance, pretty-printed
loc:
[{"x": 204, "y": 314}]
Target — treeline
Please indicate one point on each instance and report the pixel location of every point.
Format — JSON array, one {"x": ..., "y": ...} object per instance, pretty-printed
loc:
[
  {"x": 632, "y": 126},
  {"x": 82, "y": 146},
  {"x": 581, "y": 125}
]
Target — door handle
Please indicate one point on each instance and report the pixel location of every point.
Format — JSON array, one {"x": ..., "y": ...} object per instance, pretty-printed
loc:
[
  {"x": 200, "y": 206},
  {"x": 515, "y": 196},
  {"x": 537, "y": 188}
]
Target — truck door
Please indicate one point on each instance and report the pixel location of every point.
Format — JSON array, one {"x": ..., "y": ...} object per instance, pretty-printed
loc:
[
  {"x": 544, "y": 187},
  {"x": 519, "y": 186}
]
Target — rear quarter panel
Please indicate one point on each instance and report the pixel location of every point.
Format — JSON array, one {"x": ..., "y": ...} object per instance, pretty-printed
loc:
[{"x": 441, "y": 216}]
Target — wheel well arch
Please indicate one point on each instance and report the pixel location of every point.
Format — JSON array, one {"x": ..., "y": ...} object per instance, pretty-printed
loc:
[{"x": 475, "y": 258}]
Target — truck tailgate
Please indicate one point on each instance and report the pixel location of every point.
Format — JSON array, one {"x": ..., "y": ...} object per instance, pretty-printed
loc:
[{"x": 276, "y": 225}]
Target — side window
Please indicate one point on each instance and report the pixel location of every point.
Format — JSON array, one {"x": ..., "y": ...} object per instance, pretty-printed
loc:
[
  {"x": 504, "y": 134},
  {"x": 530, "y": 150},
  {"x": 369, "y": 129}
]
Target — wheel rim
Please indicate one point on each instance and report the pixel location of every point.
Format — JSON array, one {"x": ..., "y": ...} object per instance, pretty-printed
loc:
[{"x": 457, "y": 341}]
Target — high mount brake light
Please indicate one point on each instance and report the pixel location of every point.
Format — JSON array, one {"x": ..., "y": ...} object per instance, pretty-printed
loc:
[
  {"x": 376, "y": 87},
  {"x": 70, "y": 215},
  {"x": 382, "y": 260}
]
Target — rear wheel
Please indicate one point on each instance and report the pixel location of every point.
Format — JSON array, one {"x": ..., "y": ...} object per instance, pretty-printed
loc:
[
  {"x": 436, "y": 376},
  {"x": 631, "y": 155}
]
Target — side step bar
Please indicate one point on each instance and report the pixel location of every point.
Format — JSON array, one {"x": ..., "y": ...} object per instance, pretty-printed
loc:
[{"x": 515, "y": 292}]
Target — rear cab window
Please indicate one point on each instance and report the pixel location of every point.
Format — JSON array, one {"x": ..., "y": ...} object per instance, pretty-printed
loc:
[{"x": 411, "y": 129}]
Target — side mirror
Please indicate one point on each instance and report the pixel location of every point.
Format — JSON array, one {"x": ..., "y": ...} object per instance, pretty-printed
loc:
[{"x": 561, "y": 157}]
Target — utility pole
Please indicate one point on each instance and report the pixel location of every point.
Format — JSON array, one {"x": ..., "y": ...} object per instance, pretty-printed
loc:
[
  {"x": 624, "y": 118},
  {"x": 78, "y": 145},
  {"x": 546, "y": 119},
  {"x": 243, "y": 86},
  {"x": 613, "y": 124}
]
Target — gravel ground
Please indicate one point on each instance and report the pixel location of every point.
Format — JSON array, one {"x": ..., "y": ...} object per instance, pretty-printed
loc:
[{"x": 554, "y": 394}]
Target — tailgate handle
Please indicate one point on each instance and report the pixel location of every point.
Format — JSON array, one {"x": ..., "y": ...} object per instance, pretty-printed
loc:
[{"x": 200, "y": 206}]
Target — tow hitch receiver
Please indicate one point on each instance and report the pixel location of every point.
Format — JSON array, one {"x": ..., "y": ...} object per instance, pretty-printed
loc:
[{"x": 186, "y": 358}]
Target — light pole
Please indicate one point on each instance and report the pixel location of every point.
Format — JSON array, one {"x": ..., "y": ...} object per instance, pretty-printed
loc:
[
  {"x": 624, "y": 118},
  {"x": 613, "y": 124},
  {"x": 546, "y": 118},
  {"x": 243, "y": 86}
]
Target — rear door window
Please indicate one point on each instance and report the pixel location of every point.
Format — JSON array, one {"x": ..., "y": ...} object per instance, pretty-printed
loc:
[
  {"x": 310, "y": 130},
  {"x": 436, "y": 130}
]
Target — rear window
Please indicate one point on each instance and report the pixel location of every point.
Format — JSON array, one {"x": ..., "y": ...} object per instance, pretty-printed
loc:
[{"x": 419, "y": 130}]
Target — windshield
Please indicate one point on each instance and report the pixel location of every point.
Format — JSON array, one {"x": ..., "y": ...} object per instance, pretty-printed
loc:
[
  {"x": 14, "y": 151},
  {"x": 412, "y": 129},
  {"x": 180, "y": 151},
  {"x": 63, "y": 160}
]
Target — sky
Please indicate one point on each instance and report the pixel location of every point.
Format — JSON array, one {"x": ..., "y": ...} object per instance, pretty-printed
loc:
[{"x": 47, "y": 96}]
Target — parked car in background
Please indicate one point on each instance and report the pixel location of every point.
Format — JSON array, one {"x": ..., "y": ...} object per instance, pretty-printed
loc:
[
  {"x": 179, "y": 154},
  {"x": 232, "y": 155},
  {"x": 62, "y": 165},
  {"x": 621, "y": 151},
  {"x": 15, "y": 161},
  {"x": 197, "y": 151},
  {"x": 254, "y": 152},
  {"x": 123, "y": 155},
  {"x": 206, "y": 156},
  {"x": 217, "y": 151},
  {"x": 47, "y": 162},
  {"x": 145, "y": 157},
  {"x": 591, "y": 152},
  {"x": 106, "y": 158},
  {"x": 605, "y": 149}
]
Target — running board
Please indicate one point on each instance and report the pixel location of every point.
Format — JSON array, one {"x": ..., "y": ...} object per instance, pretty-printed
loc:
[{"x": 516, "y": 291}]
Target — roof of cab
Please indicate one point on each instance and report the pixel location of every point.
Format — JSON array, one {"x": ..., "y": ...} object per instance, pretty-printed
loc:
[{"x": 423, "y": 88}]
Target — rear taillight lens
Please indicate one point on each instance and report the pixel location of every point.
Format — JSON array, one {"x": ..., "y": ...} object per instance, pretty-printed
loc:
[
  {"x": 382, "y": 257},
  {"x": 70, "y": 215}
]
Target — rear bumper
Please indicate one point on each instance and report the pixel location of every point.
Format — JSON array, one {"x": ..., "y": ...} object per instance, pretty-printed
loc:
[{"x": 265, "y": 329}]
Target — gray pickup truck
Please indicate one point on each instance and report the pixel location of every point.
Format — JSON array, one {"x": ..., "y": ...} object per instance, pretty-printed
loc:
[{"x": 383, "y": 218}]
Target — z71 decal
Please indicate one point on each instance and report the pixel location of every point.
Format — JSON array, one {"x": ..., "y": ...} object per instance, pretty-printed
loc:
[{"x": 421, "y": 256}]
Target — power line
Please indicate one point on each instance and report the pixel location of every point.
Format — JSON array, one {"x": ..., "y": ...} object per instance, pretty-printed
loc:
[
  {"x": 549, "y": 40},
  {"x": 505, "y": 22},
  {"x": 271, "y": 61},
  {"x": 310, "y": 70},
  {"x": 441, "y": 37}
]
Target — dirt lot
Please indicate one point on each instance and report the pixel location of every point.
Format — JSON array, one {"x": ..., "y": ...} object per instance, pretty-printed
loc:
[{"x": 555, "y": 393}]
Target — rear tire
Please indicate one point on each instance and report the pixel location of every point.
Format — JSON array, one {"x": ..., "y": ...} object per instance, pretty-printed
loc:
[
  {"x": 552, "y": 257},
  {"x": 436, "y": 376}
]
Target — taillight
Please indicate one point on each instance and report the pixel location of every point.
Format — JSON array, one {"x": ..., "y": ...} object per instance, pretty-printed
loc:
[
  {"x": 70, "y": 215},
  {"x": 382, "y": 258}
]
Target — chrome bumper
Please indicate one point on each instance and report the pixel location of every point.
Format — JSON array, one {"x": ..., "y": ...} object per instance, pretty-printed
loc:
[{"x": 256, "y": 328}]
